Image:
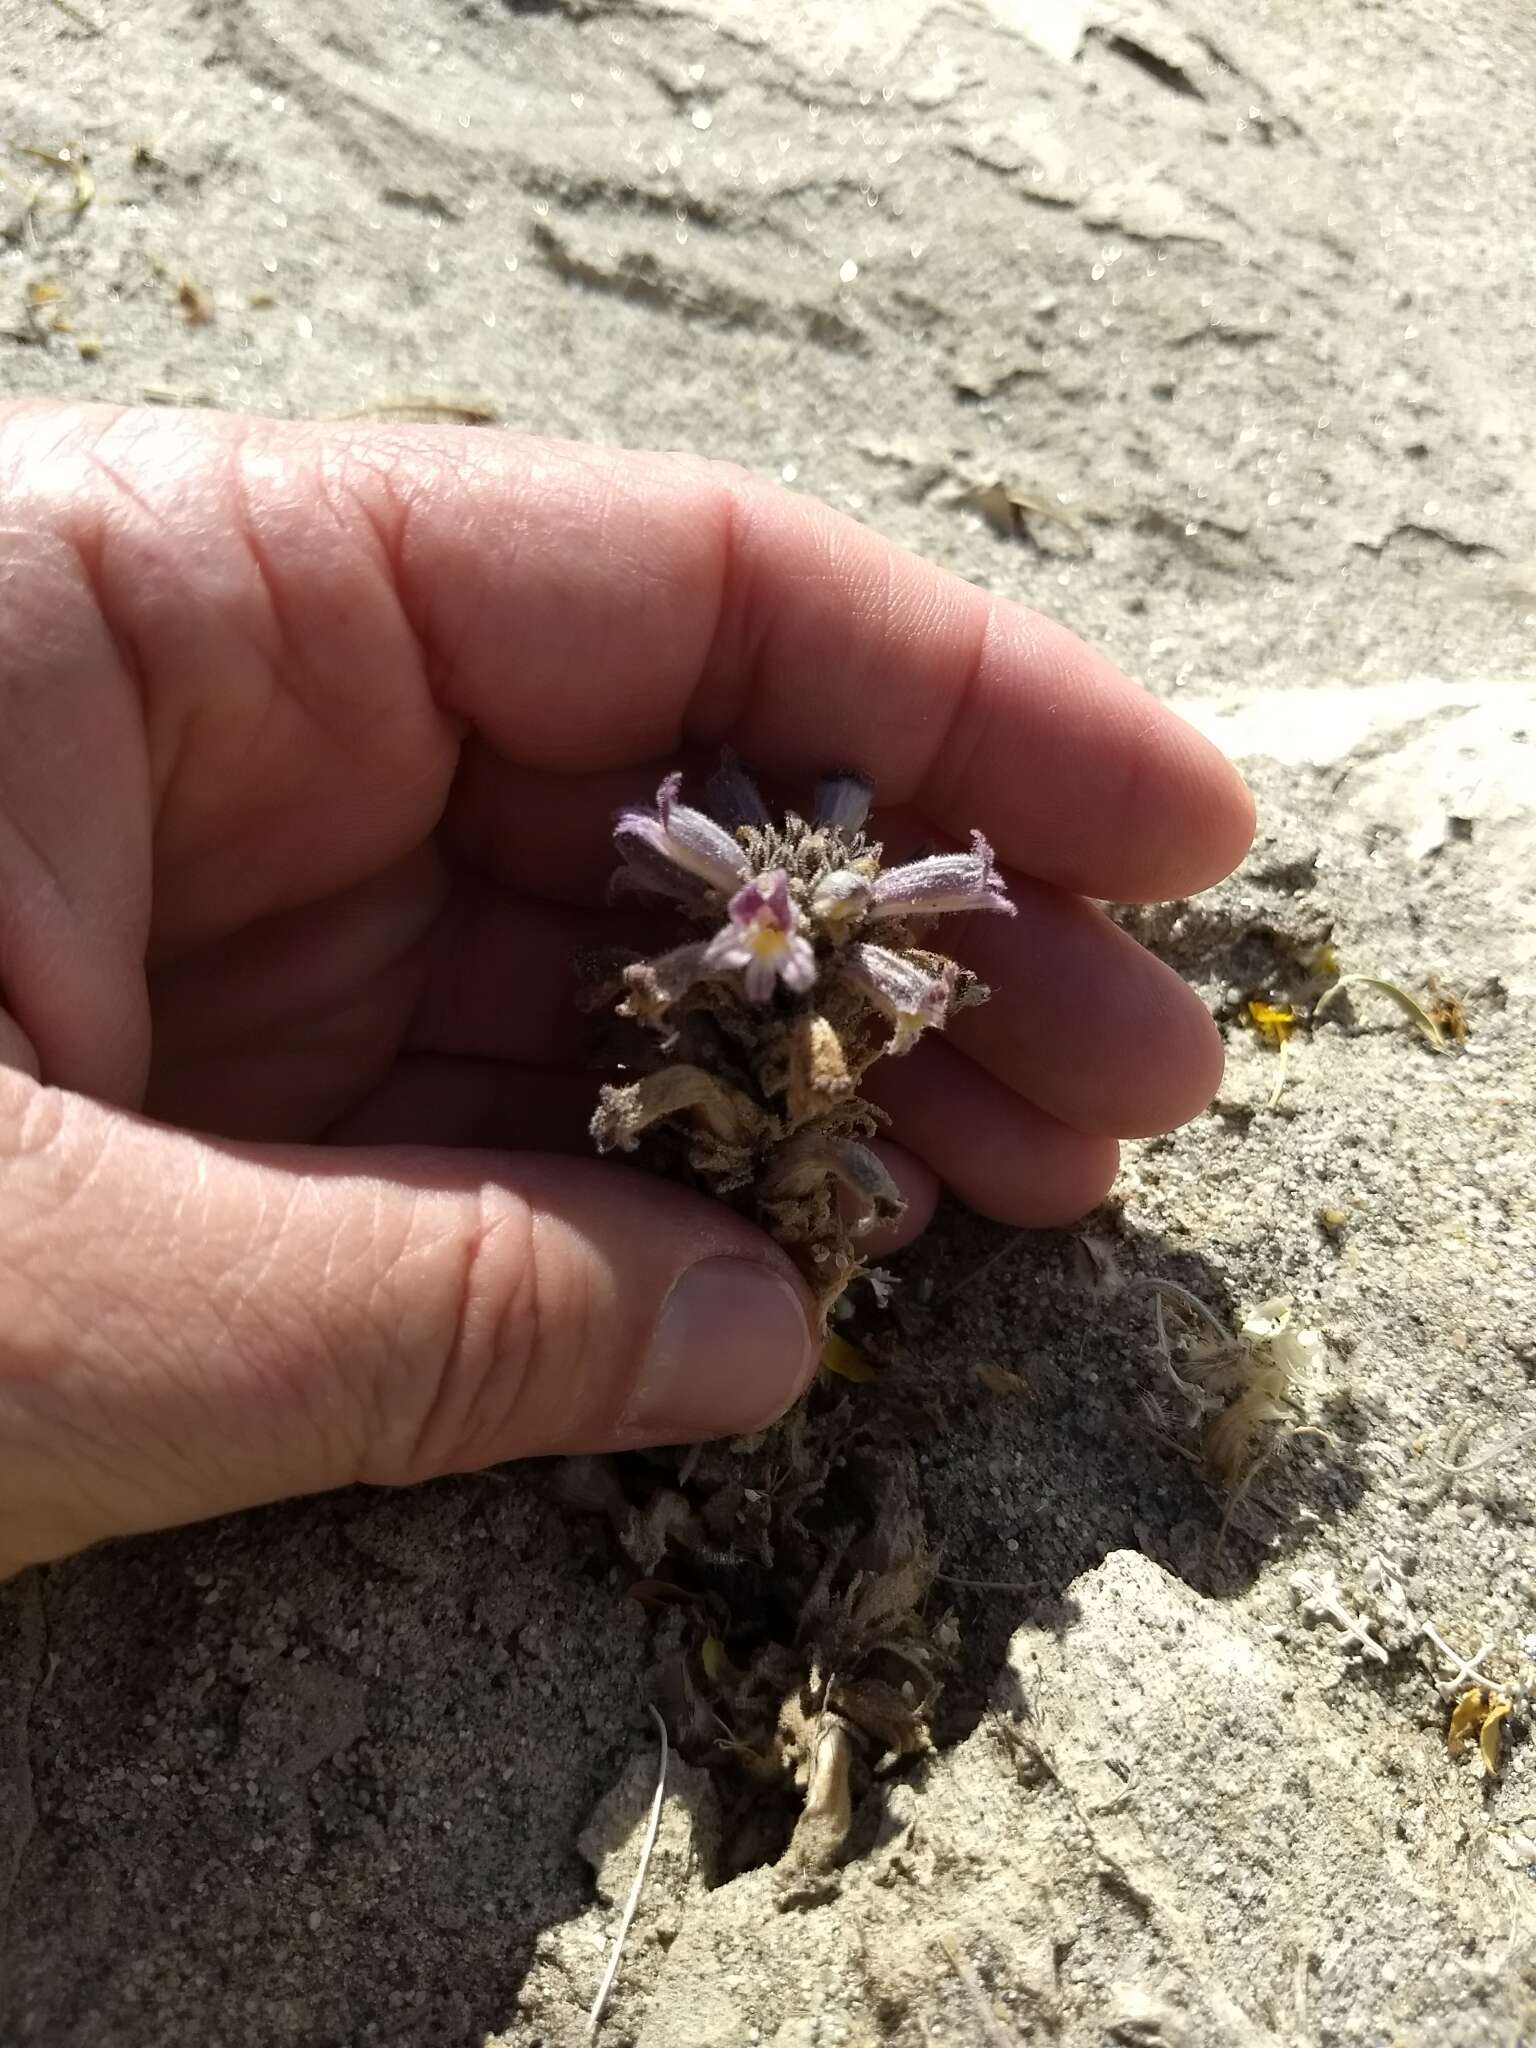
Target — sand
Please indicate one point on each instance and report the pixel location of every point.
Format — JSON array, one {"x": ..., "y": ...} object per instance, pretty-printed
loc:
[{"x": 1207, "y": 329}]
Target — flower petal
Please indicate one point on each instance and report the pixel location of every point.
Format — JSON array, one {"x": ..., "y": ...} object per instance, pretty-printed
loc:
[
  {"x": 947, "y": 881},
  {"x": 649, "y": 867},
  {"x": 797, "y": 968},
  {"x": 727, "y": 951},
  {"x": 913, "y": 999},
  {"x": 842, "y": 803},
  {"x": 733, "y": 796},
  {"x": 759, "y": 979},
  {"x": 699, "y": 839}
]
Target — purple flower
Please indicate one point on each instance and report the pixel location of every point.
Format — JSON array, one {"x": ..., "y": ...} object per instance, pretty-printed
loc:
[
  {"x": 913, "y": 999},
  {"x": 764, "y": 940},
  {"x": 842, "y": 803},
  {"x": 949, "y": 881},
  {"x": 674, "y": 848}
]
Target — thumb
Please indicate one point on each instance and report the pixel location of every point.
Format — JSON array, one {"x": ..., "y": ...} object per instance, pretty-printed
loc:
[{"x": 189, "y": 1326}]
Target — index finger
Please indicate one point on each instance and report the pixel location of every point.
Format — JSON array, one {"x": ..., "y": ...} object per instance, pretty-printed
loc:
[
  {"x": 584, "y": 610},
  {"x": 604, "y": 608}
]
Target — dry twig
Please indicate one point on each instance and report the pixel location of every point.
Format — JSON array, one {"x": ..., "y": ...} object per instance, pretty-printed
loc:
[{"x": 995, "y": 2033}]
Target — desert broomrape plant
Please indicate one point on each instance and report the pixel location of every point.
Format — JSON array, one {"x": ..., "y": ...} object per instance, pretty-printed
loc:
[
  {"x": 750, "y": 1037},
  {"x": 799, "y": 959}
]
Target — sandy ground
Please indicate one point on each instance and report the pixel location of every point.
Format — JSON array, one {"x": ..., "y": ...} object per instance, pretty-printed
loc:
[{"x": 1210, "y": 330}]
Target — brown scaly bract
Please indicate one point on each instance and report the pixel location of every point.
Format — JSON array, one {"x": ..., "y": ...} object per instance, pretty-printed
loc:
[{"x": 758, "y": 1030}]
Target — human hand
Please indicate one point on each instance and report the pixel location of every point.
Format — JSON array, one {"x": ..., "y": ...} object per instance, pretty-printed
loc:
[{"x": 312, "y": 738}]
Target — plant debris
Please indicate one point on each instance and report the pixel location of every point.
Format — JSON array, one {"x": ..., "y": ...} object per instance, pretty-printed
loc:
[
  {"x": 79, "y": 18},
  {"x": 196, "y": 305},
  {"x": 653, "y": 1825},
  {"x": 1320, "y": 1594},
  {"x": 70, "y": 159},
  {"x": 1428, "y": 1029},
  {"x": 430, "y": 411},
  {"x": 1446, "y": 1011},
  {"x": 847, "y": 1360},
  {"x": 996, "y": 2033},
  {"x": 1237, "y": 1388},
  {"x": 1488, "y": 1715},
  {"x": 1010, "y": 512},
  {"x": 997, "y": 1379},
  {"x": 801, "y": 1646},
  {"x": 1514, "y": 1441}
]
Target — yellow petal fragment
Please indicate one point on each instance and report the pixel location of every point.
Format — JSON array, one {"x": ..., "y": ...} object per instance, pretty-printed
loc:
[
  {"x": 846, "y": 1360},
  {"x": 1490, "y": 1735},
  {"x": 1470, "y": 1713},
  {"x": 1274, "y": 1022},
  {"x": 712, "y": 1657}
]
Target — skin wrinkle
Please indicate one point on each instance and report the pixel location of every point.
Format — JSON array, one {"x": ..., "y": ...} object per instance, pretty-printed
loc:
[
  {"x": 494, "y": 1335},
  {"x": 308, "y": 483},
  {"x": 574, "y": 1329},
  {"x": 46, "y": 879},
  {"x": 90, "y": 540},
  {"x": 265, "y": 1314},
  {"x": 196, "y": 1189},
  {"x": 244, "y": 1285},
  {"x": 97, "y": 461},
  {"x": 262, "y": 1319},
  {"x": 386, "y": 508},
  {"x": 286, "y": 646},
  {"x": 356, "y": 1340},
  {"x": 541, "y": 563},
  {"x": 189, "y": 713},
  {"x": 69, "y": 1371},
  {"x": 440, "y": 660},
  {"x": 58, "y": 643},
  {"x": 32, "y": 1119},
  {"x": 86, "y": 562},
  {"x": 397, "y": 1306}
]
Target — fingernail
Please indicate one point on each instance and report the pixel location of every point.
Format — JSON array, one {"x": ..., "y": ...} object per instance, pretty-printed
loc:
[{"x": 731, "y": 1349}]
